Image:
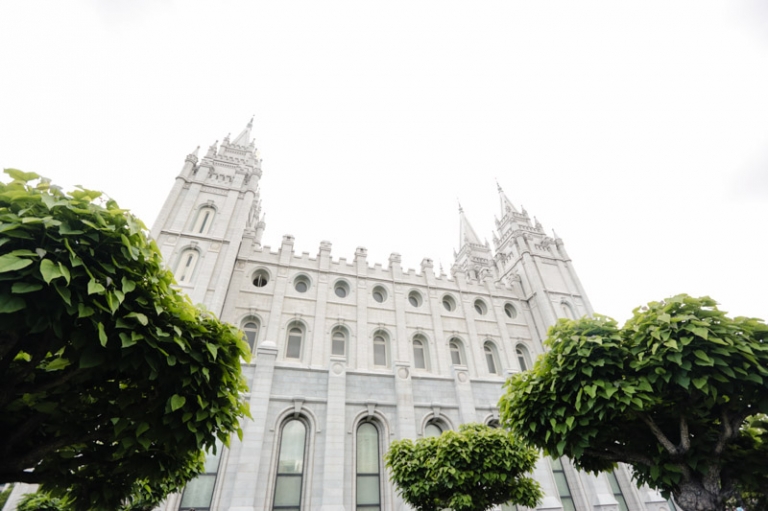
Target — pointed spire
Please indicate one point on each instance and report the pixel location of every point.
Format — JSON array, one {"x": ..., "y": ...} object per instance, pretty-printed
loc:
[
  {"x": 466, "y": 232},
  {"x": 197, "y": 150},
  {"x": 506, "y": 204},
  {"x": 244, "y": 138}
]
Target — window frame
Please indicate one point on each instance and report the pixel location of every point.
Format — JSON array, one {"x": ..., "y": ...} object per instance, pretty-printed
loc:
[
  {"x": 202, "y": 224},
  {"x": 480, "y": 307},
  {"x": 422, "y": 340},
  {"x": 378, "y": 475},
  {"x": 206, "y": 474},
  {"x": 341, "y": 330},
  {"x": 293, "y": 326},
  {"x": 490, "y": 350},
  {"x": 459, "y": 350},
  {"x": 385, "y": 343},
  {"x": 189, "y": 268},
  {"x": 523, "y": 355},
  {"x": 304, "y": 463},
  {"x": 243, "y": 325}
]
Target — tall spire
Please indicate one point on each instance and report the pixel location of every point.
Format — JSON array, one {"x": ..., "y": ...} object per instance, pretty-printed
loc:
[
  {"x": 466, "y": 232},
  {"x": 244, "y": 138},
  {"x": 506, "y": 204}
]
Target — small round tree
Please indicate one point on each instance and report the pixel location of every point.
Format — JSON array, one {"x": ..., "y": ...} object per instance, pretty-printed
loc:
[
  {"x": 470, "y": 470},
  {"x": 111, "y": 381},
  {"x": 674, "y": 394}
]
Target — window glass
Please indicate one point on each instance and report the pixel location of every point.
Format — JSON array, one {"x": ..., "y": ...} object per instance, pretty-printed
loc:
[
  {"x": 203, "y": 220},
  {"x": 379, "y": 294},
  {"x": 290, "y": 466},
  {"x": 448, "y": 303},
  {"x": 186, "y": 265},
  {"x": 523, "y": 358},
  {"x": 419, "y": 357},
  {"x": 480, "y": 307},
  {"x": 432, "y": 429},
  {"x": 198, "y": 493},
  {"x": 510, "y": 311},
  {"x": 250, "y": 333},
  {"x": 379, "y": 350},
  {"x": 341, "y": 289},
  {"x": 368, "y": 482},
  {"x": 338, "y": 342},
  {"x": 564, "y": 491},
  {"x": 490, "y": 358},
  {"x": 260, "y": 278},
  {"x": 293, "y": 349},
  {"x": 456, "y": 358},
  {"x": 414, "y": 298},
  {"x": 617, "y": 493},
  {"x": 301, "y": 284}
]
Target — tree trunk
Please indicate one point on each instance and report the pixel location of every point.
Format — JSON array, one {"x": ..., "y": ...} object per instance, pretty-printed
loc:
[{"x": 692, "y": 496}]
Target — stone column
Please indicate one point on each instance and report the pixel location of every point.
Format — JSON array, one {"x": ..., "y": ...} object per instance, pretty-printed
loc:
[{"x": 335, "y": 437}]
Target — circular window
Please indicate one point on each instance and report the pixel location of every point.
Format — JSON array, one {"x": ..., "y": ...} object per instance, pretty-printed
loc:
[
  {"x": 449, "y": 303},
  {"x": 480, "y": 307},
  {"x": 341, "y": 289},
  {"x": 301, "y": 284},
  {"x": 414, "y": 298},
  {"x": 260, "y": 278},
  {"x": 379, "y": 294},
  {"x": 510, "y": 311}
]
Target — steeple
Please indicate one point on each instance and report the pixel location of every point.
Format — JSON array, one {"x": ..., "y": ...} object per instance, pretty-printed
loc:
[
  {"x": 244, "y": 138},
  {"x": 506, "y": 204},
  {"x": 474, "y": 257}
]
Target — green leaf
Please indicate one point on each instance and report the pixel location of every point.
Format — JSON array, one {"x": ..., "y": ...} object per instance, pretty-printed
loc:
[
  {"x": 9, "y": 303},
  {"x": 700, "y": 383},
  {"x": 49, "y": 270},
  {"x": 10, "y": 262},
  {"x": 95, "y": 287},
  {"x": 25, "y": 287},
  {"x": 102, "y": 334},
  {"x": 177, "y": 402}
]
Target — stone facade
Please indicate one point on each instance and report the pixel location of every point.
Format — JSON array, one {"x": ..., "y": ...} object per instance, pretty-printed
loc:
[{"x": 340, "y": 343}]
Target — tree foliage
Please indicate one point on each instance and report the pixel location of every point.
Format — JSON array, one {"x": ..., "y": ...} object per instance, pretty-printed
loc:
[
  {"x": 469, "y": 470},
  {"x": 669, "y": 394},
  {"x": 111, "y": 381}
]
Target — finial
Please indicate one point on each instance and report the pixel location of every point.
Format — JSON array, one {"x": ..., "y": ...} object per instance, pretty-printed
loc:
[
  {"x": 250, "y": 123},
  {"x": 498, "y": 186},
  {"x": 461, "y": 210}
]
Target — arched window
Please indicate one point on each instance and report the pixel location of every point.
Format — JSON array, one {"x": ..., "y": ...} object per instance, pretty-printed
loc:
[
  {"x": 564, "y": 491},
  {"x": 339, "y": 341},
  {"x": 203, "y": 220},
  {"x": 290, "y": 466},
  {"x": 567, "y": 310},
  {"x": 616, "y": 489},
  {"x": 434, "y": 428},
  {"x": 368, "y": 468},
  {"x": 198, "y": 493},
  {"x": 380, "y": 351},
  {"x": 185, "y": 268},
  {"x": 420, "y": 353},
  {"x": 250, "y": 330},
  {"x": 295, "y": 338},
  {"x": 494, "y": 423},
  {"x": 523, "y": 357},
  {"x": 457, "y": 352},
  {"x": 491, "y": 358}
]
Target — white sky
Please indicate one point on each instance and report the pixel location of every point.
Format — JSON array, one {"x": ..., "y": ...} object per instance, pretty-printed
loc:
[{"x": 637, "y": 130}]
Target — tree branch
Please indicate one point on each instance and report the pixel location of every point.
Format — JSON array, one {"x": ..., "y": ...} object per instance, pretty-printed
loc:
[
  {"x": 618, "y": 455},
  {"x": 685, "y": 439},
  {"x": 659, "y": 434}
]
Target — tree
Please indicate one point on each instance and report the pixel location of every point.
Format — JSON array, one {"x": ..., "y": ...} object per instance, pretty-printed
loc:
[
  {"x": 469, "y": 470},
  {"x": 669, "y": 394},
  {"x": 111, "y": 381}
]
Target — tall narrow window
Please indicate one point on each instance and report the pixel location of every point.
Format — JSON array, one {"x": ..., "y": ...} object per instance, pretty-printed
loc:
[
  {"x": 568, "y": 310},
  {"x": 251, "y": 332},
  {"x": 562, "y": 485},
  {"x": 523, "y": 358},
  {"x": 186, "y": 265},
  {"x": 290, "y": 466},
  {"x": 204, "y": 220},
  {"x": 368, "y": 468},
  {"x": 490, "y": 358},
  {"x": 420, "y": 358},
  {"x": 380, "y": 349},
  {"x": 293, "y": 346},
  {"x": 617, "y": 493},
  {"x": 198, "y": 493},
  {"x": 339, "y": 341},
  {"x": 456, "y": 352}
]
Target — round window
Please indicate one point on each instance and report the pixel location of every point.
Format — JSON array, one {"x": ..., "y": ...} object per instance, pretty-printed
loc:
[
  {"x": 510, "y": 311},
  {"x": 448, "y": 303},
  {"x": 414, "y": 298},
  {"x": 341, "y": 289},
  {"x": 480, "y": 307},
  {"x": 301, "y": 284},
  {"x": 260, "y": 278},
  {"x": 379, "y": 294}
]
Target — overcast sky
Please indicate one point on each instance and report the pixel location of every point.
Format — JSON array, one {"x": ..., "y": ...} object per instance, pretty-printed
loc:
[{"x": 637, "y": 130}]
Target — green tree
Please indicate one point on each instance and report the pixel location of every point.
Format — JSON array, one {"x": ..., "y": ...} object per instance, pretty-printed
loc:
[
  {"x": 111, "y": 381},
  {"x": 469, "y": 470},
  {"x": 668, "y": 394}
]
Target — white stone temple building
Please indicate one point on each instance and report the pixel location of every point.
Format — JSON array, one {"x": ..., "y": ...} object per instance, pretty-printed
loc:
[{"x": 351, "y": 354}]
